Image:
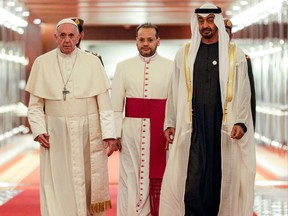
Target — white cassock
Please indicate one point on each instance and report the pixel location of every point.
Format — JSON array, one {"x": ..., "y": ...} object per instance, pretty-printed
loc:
[
  {"x": 145, "y": 80},
  {"x": 74, "y": 173},
  {"x": 238, "y": 156}
]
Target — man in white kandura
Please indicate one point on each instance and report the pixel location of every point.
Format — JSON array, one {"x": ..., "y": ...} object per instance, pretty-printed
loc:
[
  {"x": 71, "y": 116},
  {"x": 211, "y": 166},
  {"x": 141, "y": 85}
]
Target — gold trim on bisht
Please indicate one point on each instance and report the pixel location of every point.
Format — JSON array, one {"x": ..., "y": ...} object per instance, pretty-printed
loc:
[
  {"x": 188, "y": 79},
  {"x": 230, "y": 85},
  {"x": 100, "y": 206}
]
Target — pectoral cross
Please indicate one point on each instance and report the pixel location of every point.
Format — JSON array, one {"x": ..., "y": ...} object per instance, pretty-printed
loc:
[{"x": 65, "y": 92}]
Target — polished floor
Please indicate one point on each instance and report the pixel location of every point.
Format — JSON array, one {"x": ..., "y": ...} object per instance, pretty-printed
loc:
[{"x": 19, "y": 157}]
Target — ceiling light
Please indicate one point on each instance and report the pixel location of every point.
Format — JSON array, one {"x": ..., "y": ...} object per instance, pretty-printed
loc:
[
  {"x": 236, "y": 8},
  {"x": 256, "y": 13},
  {"x": 11, "y": 4},
  {"x": 7, "y": 17},
  {"x": 244, "y": 2},
  {"x": 25, "y": 13},
  {"x": 18, "y": 9},
  {"x": 37, "y": 21}
]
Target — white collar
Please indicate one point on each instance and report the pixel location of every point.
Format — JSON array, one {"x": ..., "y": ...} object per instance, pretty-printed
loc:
[
  {"x": 72, "y": 54},
  {"x": 148, "y": 59}
]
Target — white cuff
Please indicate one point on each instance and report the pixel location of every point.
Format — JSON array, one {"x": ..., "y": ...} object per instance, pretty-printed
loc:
[
  {"x": 118, "y": 123},
  {"x": 107, "y": 124}
]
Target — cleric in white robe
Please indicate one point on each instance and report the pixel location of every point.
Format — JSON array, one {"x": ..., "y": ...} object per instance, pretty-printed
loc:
[
  {"x": 139, "y": 92},
  {"x": 71, "y": 117},
  {"x": 211, "y": 166}
]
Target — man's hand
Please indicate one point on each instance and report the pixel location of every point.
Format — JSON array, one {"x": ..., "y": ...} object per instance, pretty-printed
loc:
[
  {"x": 111, "y": 146},
  {"x": 169, "y": 135},
  {"x": 118, "y": 144},
  {"x": 43, "y": 139},
  {"x": 237, "y": 132}
]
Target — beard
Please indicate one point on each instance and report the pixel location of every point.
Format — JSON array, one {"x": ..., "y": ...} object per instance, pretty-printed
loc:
[
  {"x": 146, "y": 53},
  {"x": 207, "y": 33},
  {"x": 208, "y": 36}
]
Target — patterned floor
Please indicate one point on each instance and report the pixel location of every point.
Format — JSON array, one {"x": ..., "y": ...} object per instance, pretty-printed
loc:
[
  {"x": 271, "y": 202},
  {"x": 6, "y": 195}
]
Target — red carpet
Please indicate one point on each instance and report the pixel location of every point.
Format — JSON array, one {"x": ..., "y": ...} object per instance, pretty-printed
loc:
[
  {"x": 113, "y": 194},
  {"x": 27, "y": 203},
  {"x": 24, "y": 204}
]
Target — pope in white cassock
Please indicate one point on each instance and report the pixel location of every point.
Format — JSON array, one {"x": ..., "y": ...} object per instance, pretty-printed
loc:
[
  {"x": 71, "y": 116},
  {"x": 211, "y": 166},
  {"x": 139, "y": 89}
]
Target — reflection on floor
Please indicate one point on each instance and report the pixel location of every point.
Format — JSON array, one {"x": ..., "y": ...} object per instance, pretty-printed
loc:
[
  {"x": 271, "y": 201},
  {"x": 19, "y": 170}
]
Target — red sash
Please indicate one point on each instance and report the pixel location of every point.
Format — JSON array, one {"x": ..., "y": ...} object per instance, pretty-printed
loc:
[{"x": 154, "y": 109}]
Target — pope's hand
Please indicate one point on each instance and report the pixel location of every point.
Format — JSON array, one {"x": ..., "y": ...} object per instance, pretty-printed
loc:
[
  {"x": 43, "y": 139},
  {"x": 111, "y": 146},
  {"x": 118, "y": 144}
]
